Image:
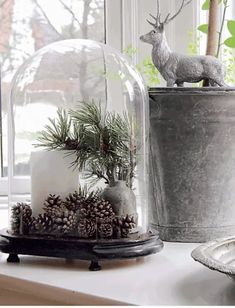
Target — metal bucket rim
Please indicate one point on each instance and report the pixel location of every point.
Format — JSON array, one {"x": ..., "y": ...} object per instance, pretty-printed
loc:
[{"x": 192, "y": 90}]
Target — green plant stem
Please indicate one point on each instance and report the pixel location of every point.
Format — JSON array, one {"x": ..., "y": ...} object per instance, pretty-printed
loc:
[{"x": 221, "y": 28}]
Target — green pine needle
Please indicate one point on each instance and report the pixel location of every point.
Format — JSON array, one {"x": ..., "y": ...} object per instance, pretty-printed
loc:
[{"x": 102, "y": 141}]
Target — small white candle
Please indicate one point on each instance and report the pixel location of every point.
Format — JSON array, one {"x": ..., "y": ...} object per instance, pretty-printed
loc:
[{"x": 51, "y": 173}]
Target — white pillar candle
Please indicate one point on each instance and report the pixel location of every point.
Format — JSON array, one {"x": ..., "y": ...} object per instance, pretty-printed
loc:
[{"x": 51, "y": 173}]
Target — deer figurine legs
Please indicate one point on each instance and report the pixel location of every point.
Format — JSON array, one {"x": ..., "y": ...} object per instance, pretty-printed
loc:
[
  {"x": 217, "y": 82},
  {"x": 212, "y": 83},
  {"x": 172, "y": 82}
]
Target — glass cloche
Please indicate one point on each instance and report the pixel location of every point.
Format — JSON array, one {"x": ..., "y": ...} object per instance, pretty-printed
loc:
[{"x": 79, "y": 140}]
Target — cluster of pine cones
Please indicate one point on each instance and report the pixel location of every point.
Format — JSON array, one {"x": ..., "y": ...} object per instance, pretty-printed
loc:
[
  {"x": 21, "y": 214},
  {"x": 78, "y": 215}
]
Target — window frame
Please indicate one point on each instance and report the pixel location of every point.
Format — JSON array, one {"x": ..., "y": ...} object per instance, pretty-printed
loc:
[
  {"x": 124, "y": 22},
  {"x": 19, "y": 184}
]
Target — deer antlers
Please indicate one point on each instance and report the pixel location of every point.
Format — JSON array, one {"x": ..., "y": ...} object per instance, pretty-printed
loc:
[{"x": 168, "y": 18}]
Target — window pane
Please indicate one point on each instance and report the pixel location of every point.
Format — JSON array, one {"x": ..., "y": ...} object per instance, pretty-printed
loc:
[{"x": 27, "y": 25}]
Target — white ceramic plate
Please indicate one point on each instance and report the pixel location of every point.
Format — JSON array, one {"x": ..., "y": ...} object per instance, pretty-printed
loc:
[{"x": 218, "y": 255}]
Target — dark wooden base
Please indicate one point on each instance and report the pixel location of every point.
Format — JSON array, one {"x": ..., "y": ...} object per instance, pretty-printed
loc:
[
  {"x": 92, "y": 250},
  {"x": 13, "y": 258},
  {"x": 94, "y": 266}
]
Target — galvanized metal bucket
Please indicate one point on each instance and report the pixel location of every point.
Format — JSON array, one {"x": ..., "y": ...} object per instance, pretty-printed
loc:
[{"x": 192, "y": 160}]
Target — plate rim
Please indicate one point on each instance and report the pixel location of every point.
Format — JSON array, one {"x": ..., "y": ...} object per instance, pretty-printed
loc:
[{"x": 201, "y": 255}]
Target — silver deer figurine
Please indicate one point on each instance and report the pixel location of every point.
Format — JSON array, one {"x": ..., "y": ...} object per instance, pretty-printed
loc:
[{"x": 176, "y": 68}]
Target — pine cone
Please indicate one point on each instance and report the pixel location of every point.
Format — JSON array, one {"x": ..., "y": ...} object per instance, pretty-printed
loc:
[
  {"x": 52, "y": 204},
  {"x": 123, "y": 225},
  {"x": 41, "y": 224},
  {"x": 86, "y": 228},
  {"x": 74, "y": 201},
  {"x": 20, "y": 218},
  {"x": 65, "y": 221},
  {"x": 105, "y": 230},
  {"x": 98, "y": 210}
]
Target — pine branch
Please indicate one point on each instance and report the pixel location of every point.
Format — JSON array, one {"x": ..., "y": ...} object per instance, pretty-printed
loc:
[
  {"x": 56, "y": 133},
  {"x": 89, "y": 115},
  {"x": 103, "y": 143}
]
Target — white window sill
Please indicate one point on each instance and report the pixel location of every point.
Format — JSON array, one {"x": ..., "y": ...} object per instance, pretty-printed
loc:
[{"x": 170, "y": 277}]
